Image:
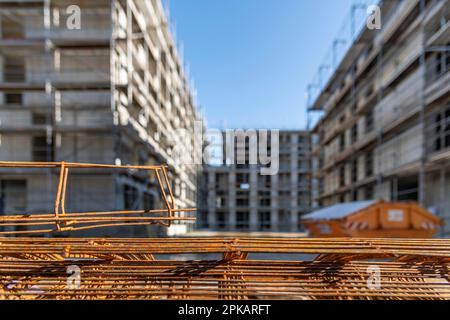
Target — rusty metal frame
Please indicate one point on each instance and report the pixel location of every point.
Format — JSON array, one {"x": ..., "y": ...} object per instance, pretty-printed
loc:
[
  {"x": 61, "y": 221},
  {"x": 36, "y": 268}
]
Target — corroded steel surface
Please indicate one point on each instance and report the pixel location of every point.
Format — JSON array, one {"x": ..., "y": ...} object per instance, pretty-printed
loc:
[
  {"x": 61, "y": 221},
  {"x": 37, "y": 268}
]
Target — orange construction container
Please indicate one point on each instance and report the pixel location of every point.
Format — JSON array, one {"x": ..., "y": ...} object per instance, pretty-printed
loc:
[{"x": 372, "y": 219}]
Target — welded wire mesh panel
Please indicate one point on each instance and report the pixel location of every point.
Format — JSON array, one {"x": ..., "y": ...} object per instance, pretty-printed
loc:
[
  {"x": 129, "y": 269},
  {"x": 20, "y": 223}
]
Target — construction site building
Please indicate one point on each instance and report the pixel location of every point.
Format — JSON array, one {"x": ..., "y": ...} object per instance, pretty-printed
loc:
[
  {"x": 384, "y": 114},
  {"x": 239, "y": 198},
  {"x": 94, "y": 82}
]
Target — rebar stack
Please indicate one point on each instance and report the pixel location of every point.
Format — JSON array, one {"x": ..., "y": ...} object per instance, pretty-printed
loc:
[
  {"x": 204, "y": 268},
  {"x": 224, "y": 269}
]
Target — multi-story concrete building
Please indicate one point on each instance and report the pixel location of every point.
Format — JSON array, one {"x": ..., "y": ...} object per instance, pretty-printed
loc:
[
  {"x": 239, "y": 198},
  {"x": 106, "y": 88},
  {"x": 385, "y": 129}
]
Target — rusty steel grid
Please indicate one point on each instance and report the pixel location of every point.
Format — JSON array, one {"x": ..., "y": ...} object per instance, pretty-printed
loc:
[
  {"x": 36, "y": 268},
  {"x": 62, "y": 221}
]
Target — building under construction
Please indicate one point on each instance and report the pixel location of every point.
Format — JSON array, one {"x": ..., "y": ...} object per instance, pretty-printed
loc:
[
  {"x": 111, "y": 91},
  {"x": 384, "y": 114},
  {"x": 239, "y": 198}
]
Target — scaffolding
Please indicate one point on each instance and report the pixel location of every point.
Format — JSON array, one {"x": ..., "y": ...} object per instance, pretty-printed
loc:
[
  {"x": 394, "y": 109},
  {"x": 116, "y": 90}
]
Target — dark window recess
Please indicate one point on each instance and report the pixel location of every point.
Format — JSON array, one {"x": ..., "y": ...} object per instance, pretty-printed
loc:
[
  {"x": 14, "y": 69},
  {"x": 148, "y": 202},
  {"x": 369, "y": 164},
  {"x": 354, "y": 171},
  {"x": 130, "y": 197},
  {"x": 13, "y": 199},
  {"x": 11, "y": 29},
  {"x": 442, "y": 130},
  {"x": 368, "y": 193},
  {"x": 342, "y": 176},
  {"x": 13, "y": 98},
  {"x": 342, "y": 142},
  {"x": 39, "y": 119},
  {"x": 242, "y": 202},
  {"x": 369, "y": 121},
  {"x": 242, "y": 178},
  {"x": 42, "y": 150},
  {"x": 264, "y": 220},
  {"x": 438, "y": 128},
  {"x": 447, "y": 58},
  {"x": 355, "y": 133},
  {"x": 220, "y": 220},
  {"x": 242, "y": 220},
  {"x": 447, "y": 128},
  {"x": 438, "y": 67}
]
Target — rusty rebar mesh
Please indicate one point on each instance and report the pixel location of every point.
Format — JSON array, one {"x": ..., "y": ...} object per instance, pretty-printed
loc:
[
  {"x": 60, "y": 221},
  {"x": 129, "y": 269}
]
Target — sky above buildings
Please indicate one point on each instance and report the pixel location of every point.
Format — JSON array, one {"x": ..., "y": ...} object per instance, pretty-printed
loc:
[{"x": 252, "y": 60}]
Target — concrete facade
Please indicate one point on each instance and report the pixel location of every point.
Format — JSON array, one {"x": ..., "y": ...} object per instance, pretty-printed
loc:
[
  {"x": 113, "y": 91},
  {"x": 385, "y": 128}
]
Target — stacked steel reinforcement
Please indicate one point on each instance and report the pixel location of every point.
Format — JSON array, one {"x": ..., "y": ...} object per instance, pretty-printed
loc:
[
  {"x": 205, "y": 268},
  {"x": 39, "y": 268}
]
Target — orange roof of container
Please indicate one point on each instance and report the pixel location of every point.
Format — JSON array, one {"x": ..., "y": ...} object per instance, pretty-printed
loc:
[{"x": 339, "y": 211}]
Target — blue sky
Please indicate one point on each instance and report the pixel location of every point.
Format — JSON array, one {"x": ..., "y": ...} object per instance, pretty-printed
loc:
[{"x": 253, "y": 59}]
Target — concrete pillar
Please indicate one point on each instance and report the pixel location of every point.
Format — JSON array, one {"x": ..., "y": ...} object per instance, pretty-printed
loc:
[
  {"x": 442, "y": 198},
  {"x": 293, "y": 181},
  {"x": 274, "y": 219},
  {"x": 253, "y": 202},
  {"x": 395, "y": 189},
  {"x": 232, "y": 200},
  {"x": 211, "y": 205}
]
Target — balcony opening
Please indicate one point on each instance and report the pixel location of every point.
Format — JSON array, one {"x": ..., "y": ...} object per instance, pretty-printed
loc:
[
  {"x": 264, "y": 220},
  {"x": 14, "y": 69},
  {"x": 39, "y": 119},
  {"x": 42, "y": 149},
  {"x": 220, "y": 220},
  {"x": 242, "y": 220},
  {"x": 342, "y": 142},
  {"x": 369, "y": 164},
  {"x": 354, "y": 171},
  {"x": 342, "y": 176},
  {"x": 11, "y": 29},
  {"x": 130, "y": 198},
  {"x": 354, "y": 133},
  {"x": 13, "y": 200},
  {"x": 442, "y": 130},
  {"x": 13, "y": 98},
  {"x": 369, "y": 121},
  {"x": 408, "y": 188}
]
